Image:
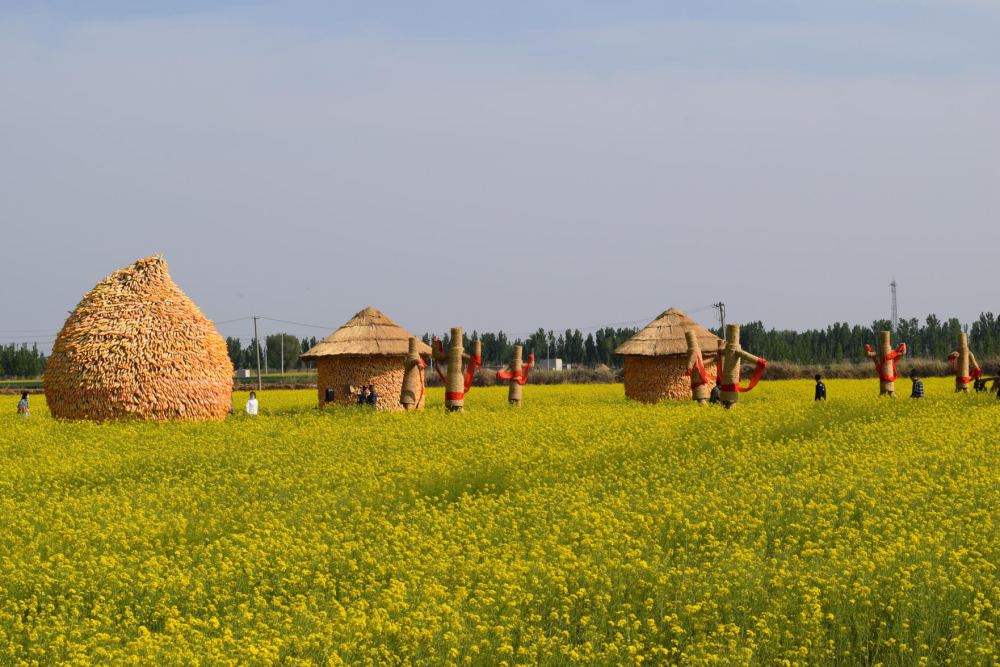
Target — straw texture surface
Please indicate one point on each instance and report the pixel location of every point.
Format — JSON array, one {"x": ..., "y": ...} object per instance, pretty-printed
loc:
[
  {"x": 346, "y": 375},
  {"x": 665, "y": 336},
  {"x": 137, "y": 348},
  {"x": 654, "y": 379},
  {"x": 369, "y": 332}
]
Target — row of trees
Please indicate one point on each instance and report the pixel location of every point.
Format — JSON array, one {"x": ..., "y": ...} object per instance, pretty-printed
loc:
[
  {"x": 271, "y": 350},
  {"x": 841, "y": 342},
  {"x": 838, "y": 343},
  {"x": 571, "y": 346},
  {"x": 21, "y": 361}
]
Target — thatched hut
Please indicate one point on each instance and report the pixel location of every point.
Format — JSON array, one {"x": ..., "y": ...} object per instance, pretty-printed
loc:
[
  {"x": 369, "y": 350},
  {"x": 656, "y": 358},
  {"x": 136, "y": 347}
]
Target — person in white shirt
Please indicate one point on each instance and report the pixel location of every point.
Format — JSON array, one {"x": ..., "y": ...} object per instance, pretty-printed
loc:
[{"x": 252, "y": 404}]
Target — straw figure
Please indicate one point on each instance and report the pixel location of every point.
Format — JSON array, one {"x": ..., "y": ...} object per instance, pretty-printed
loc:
[
  {"x": 885, "y": 364},
  {"x": 517, "y": 372},
  {"x": 700, "y": 377},
  {"x": 961, "y": 361},
  {"x": 732, "y": 356},
  {"x": 412, "y": 396},
  {"x": 656, "y": 358},
  {"x": 457, "y": 383},
  {"x": 370, "y": 349},
  {"x": 137, "y": 348}
]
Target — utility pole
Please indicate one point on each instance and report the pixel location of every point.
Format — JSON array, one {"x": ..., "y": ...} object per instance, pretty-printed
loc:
[
  {"x": 282, "y": 356},
  {"x": 256, "y": 342},
  {"x": 895, "y": 313},
  {"x": 722, "y": 316}
]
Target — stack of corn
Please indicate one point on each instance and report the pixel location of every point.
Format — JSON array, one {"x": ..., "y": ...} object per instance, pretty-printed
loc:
[
  {"x": 137, "y": 348},
  {"x": 653, "y": 379},
  {"x": 349, "y": 374}
]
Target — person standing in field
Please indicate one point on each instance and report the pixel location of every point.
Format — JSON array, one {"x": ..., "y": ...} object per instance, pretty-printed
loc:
[
  {"x": 252, "y": 403},
  {"x": 22, "y": 405},
  {"x": 372, "y": 396},
  {"x": 820, "y": 388},
  {"x": 918, "y": 385}
]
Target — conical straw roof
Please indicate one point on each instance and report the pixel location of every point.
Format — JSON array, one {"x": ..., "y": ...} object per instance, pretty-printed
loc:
[
  {"x": 369, "y": 332},
  {"x": 137, "y": 348},
  {"x": 665, "y": 335}
]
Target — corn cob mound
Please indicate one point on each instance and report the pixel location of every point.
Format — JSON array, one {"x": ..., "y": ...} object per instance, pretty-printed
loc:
[
  {"x": 652, "y": 379},
  {"x": 340, "y": 372},
  {"x": 137, "y": 348}
]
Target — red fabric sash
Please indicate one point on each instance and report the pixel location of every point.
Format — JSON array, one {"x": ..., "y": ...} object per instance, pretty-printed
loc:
[
  {"x": 454, "y": 395},
  {"x": 754, "y": 379},
  {"x": 893, "y": 358},
  {"x": 519, "y": 377},
  {"x": 475, "y": 361},
  {"x": 420, "y": 369},
  {"x": 976, "y": 372},
  {"x": 702, "y": 373},
  {"x": 437, "y": 364}
]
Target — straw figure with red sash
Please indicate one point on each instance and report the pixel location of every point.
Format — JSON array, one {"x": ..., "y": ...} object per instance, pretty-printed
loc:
[
  {"x": 885, "y": 364},
  {"x": 458, "y": 381},
  {"x": 412, "y": 395},
  {"x": 732, "y": 356},
  {"x": 961, "y": 361},
  {"x": 517, "y": 373},
  {"x": 700, "y": 379}
]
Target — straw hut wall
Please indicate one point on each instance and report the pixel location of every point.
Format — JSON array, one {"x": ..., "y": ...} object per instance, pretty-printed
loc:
[
  {"x": 136, "y": 347},
  {"x": 369, "y": 350},
  {"x": 656, "y": 358}
]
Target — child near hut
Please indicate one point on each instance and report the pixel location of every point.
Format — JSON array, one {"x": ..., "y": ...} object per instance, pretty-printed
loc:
[
  {"x": 22, "y": 405},
  {"x": 252, "y": 403},
  {"x": 372, "y": 396}
]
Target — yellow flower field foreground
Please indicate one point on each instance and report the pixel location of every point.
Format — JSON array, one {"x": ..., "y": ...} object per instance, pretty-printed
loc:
[{"x": 581, "y": 528}]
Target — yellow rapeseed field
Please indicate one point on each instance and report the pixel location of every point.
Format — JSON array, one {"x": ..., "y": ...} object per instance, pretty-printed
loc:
[{"x": 581, "y": 528}]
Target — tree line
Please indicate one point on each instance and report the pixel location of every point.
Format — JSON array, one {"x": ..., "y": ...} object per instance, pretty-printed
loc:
[
  {"x": 271, "y": 350},
  {"x": 842, "y": 343},
  {"x": 21, "y": 361},
  {"x": 838, "y": 343},
  {"x": 597, "y": 348}
]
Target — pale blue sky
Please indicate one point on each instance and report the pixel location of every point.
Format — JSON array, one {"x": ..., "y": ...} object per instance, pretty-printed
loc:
[{"x": 556, "y": 164}]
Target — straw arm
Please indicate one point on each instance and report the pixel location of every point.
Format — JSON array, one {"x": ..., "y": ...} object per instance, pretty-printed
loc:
[
  {"x": 901, "y": 349},
  {"x": 972, "y": 361},
  {"x": 953, "y": 356},
  {"x": 870, "y": 353},
  {"x": 692, "y": 359},
  {"x": 746, "y": 356}
]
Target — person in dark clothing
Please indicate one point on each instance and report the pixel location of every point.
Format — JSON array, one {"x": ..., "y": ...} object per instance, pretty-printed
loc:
[
  {"x": 820, "y": 388},
  {"x": 713, "y": 396},
  {"x": 363, "y": 395},
  {"x": 918, "y": 386},
  {"x": 372, "y": 396}
]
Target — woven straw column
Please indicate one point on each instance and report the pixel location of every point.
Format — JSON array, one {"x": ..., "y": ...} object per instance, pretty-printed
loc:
[
  {"x": 702, "y": 392},
  {"x": 963, "y": 360},
  {"x": 455, "y": 380},
  {"x": 886, "y": 388},
  {"x": 412, "y": 395},
  {"x": 732, "y": 357},
  {"x": 515, "y": 369}
]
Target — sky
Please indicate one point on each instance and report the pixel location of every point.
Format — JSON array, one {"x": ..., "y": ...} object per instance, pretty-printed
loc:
[{"x": 514, "y": 166}]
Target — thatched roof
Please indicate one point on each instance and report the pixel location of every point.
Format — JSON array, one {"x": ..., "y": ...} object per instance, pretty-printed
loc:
[
  {"x": 665, "y": 335},
  {"x": 369, "y": 332}
]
